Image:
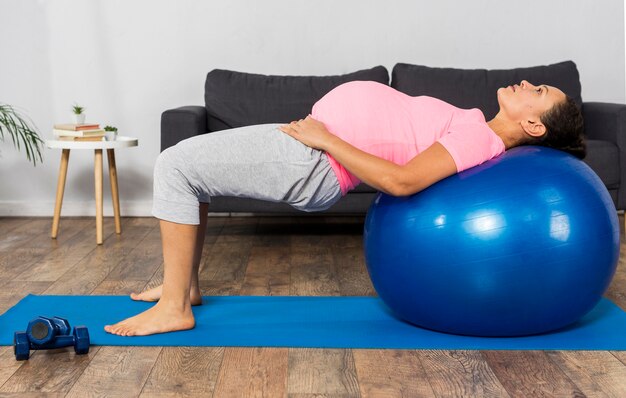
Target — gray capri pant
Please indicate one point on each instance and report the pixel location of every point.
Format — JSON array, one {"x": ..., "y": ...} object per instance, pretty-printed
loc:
[{"x": 258, "y": 161}]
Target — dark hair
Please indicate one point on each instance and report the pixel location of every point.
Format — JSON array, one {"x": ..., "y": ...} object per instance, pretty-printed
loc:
[{"x": 564, "y": 129}]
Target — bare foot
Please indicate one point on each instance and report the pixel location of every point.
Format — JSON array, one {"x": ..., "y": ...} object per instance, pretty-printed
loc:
[
  {"x": 158, "y": 319},
  {"x": 154, "y": 294}
]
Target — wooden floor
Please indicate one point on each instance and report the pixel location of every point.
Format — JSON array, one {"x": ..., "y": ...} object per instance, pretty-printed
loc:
[{"x": 258, "y": 256}]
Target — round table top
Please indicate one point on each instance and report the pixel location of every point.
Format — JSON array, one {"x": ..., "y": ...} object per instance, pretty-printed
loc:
[{"x": 120, "y": 142}]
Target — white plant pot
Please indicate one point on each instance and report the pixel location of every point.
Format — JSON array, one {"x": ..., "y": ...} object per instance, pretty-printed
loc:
[
  {"x": 111, "y": 135},
  {"x": 79, "y": 119}
]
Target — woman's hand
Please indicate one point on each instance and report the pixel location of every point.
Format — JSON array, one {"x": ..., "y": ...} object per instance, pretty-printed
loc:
[{"x": 310, "y": 132}]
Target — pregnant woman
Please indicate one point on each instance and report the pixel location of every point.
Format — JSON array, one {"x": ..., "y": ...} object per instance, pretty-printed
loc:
[{"x": 360, "y": 131}]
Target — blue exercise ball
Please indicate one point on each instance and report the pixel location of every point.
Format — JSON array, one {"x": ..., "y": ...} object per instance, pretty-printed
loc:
[{"x": 525, "y": 243}]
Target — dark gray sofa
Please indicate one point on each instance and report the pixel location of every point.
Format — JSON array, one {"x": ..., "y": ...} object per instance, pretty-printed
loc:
[{"x": 235, "y": 99}]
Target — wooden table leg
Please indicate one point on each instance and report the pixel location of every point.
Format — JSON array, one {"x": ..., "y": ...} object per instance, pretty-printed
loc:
[
  {"x": 65, "y": 158},
  {"x": 98, "y": 181},
  {"x": 114, "y": 192}
]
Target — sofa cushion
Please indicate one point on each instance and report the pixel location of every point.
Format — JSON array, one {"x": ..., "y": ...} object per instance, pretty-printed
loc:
[
  {"x": 603, "y": 158},
  {"x": 235, "y": 99},
  {"x": 363, "y": 188},
  {"x": 477, "y": 88}
]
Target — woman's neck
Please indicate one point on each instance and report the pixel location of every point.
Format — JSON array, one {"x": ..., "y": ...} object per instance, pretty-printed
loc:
[{"x": 507, "y": 131}]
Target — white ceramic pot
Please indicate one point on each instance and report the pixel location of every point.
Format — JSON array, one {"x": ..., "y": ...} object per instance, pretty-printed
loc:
[
  {"x": 79, "y": 119},
  {"x": 111, "y": 135}
]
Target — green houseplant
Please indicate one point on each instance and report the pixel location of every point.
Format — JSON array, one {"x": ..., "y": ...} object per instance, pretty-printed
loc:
[
  {"x": 111, "y": 133},
  {"x": 20, "y": 130},
  {"x": 79, "y": 114}
]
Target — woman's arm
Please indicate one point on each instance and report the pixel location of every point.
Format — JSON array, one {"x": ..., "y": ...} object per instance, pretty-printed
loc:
[
  {"x": 432, "y": 165},
  {"x": 428, "y": 167},
  {"x": 376, "y": 172}
]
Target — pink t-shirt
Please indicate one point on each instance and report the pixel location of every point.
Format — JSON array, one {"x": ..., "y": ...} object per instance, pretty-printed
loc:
[{"x": 387, "y": 123}]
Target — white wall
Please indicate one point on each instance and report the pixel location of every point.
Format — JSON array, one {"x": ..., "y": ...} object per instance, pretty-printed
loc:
[{"x": 128, "y": 61}]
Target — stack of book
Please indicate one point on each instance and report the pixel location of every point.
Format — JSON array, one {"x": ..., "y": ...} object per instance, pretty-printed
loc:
[{"x": 78, "y": 132}]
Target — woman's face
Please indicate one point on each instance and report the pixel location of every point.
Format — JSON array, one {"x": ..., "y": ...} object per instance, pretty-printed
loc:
[{"x": 525, "y": 102}]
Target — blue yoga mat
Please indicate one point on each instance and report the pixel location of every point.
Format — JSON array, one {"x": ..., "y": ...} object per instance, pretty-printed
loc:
[{"x": 290, "y": 321}]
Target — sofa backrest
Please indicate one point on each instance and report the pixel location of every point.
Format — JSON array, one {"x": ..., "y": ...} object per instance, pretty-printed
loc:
[
  {"x": 477, "y": 88},
  {"x": 235, "y": 99}
]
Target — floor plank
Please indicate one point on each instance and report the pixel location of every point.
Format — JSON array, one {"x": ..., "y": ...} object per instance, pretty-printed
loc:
[
  {"x": 184, "y": 372},
  {"x": 226, "y": 262},
  {"x": 89, "y": 272},
  {"x": 617, "y": 288},
  {"x": 267, "y": 272},
  {"x": 118, "y": 288},
  {"x": 351, "y": 272},
  {"x": 391, "y": 373},
  {"x": 530, "y": 374},
  {"x": 596, "y": 373},
  {"x": 49, "y": 371},
  {"x": 24, "y": 233},
  {"x": 621, "y": 355},
  {"x": 7, "y": 224},
  {"x": 13, "y": 262},
  {"x": 34, "y": 254},
  {"x": 214, "y": 228},
  {"x": 238, "y": 230},
  {"x": 11, "y": 292},
  {"x": 312, "y": 272},
  {"x": 616, "y": 292},
  {"x": 116, "y": 371},
  {"x": 252, "y": 372},
  {"x": 330, "y": 372},
  {"x": 460, "y": 373},
  {"x": 8, "y": 364},
  {"x": 142, "y": 261},
  {"x": 70, "y": 248}
]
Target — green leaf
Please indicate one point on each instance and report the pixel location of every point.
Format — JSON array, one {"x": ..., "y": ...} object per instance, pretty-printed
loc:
[{"x": 20, "y": 130}]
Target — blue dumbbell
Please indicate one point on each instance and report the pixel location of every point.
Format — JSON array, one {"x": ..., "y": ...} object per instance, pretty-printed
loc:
[{"x": 48, "y": 333}]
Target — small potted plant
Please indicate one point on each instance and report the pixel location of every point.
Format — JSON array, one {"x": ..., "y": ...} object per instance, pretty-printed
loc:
[
  {"x": 111, "y": 133},
  {"x": 79, "y": 114}
]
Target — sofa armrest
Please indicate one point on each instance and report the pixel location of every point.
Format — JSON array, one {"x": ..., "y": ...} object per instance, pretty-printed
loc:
[
  {"x": 180, "y": 123},
  {"x": 606, "y": 122}
]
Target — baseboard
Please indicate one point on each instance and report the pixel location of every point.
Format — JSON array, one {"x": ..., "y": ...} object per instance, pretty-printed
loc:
[
  {"x": 87, "y": 209},
  {"x": 73, "y": 209}
]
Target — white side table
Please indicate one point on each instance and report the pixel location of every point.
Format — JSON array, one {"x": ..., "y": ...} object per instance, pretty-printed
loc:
[{"x": 97, "y": 146}]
